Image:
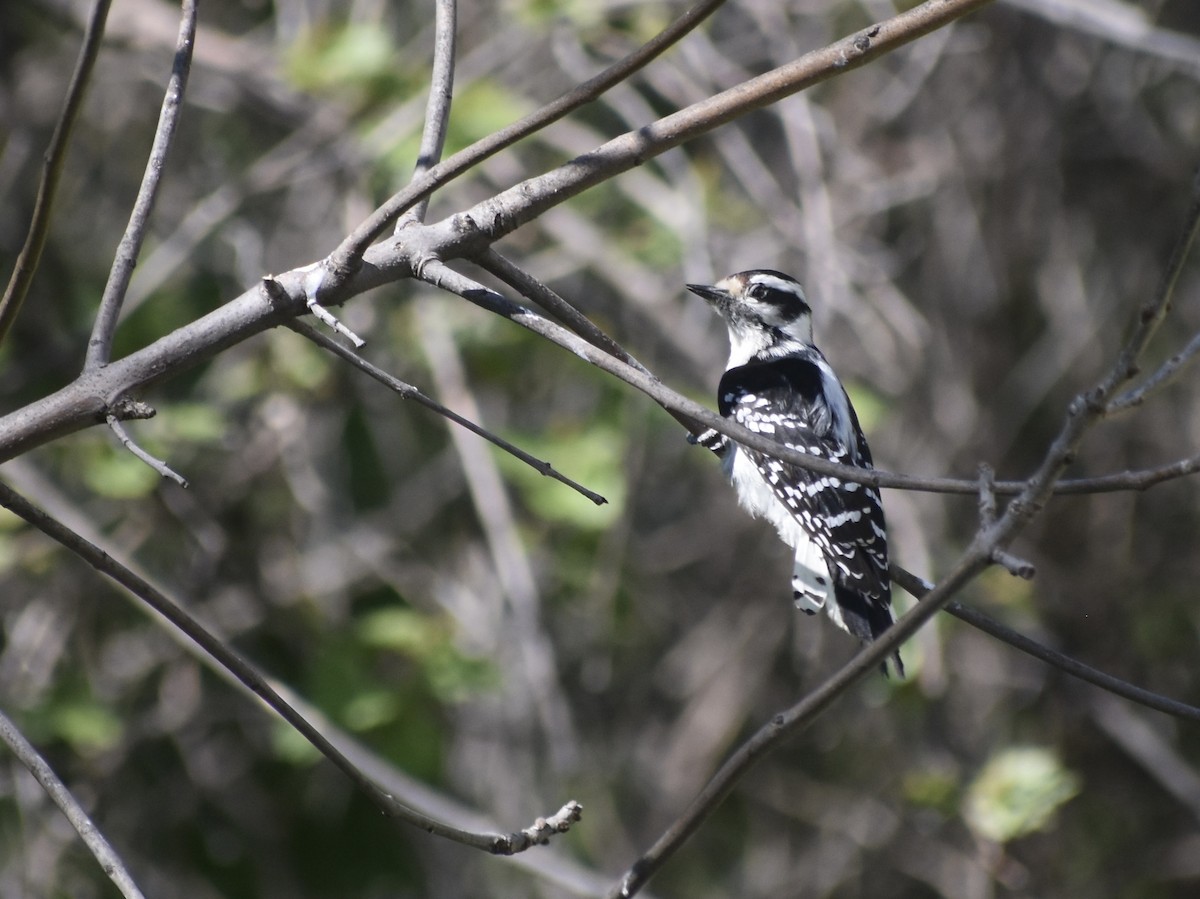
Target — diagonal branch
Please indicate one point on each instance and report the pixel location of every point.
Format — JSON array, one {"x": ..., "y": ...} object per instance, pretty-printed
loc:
[
  {"x": 99, "y": 349},
  {"x": 918, "y": 587},
  {"x": 504, "y": 213},
  {"x": 1166, "y": 373},
  {"x": 349, "y": 254},
  {"x": 531, "y": 288},
  {"x": 52, "y": 168},
  {"x": 408, "y": 392},
  {"x": 495, "y": 843},
  {"x": 104, "y": 853},
  {"x": 437, "y": 112}
]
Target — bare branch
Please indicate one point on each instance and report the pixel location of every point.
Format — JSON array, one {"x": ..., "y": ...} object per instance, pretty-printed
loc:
[
  {"x": 524, "y": 202},
  {"x": 548, "y": 865},
  {"x": 243, "y": 671},
  {"x": 99, "y": 349},
  {"x": 531, "y": 288},
  {"x": 918, "y": 587},
  {"x": 1123, "y": 24},
  {"x": 1151, "y": 749},
  {"x": 52, "y": 167},
  {"x": 158, "y": 465},
  {"x": 437, "y": 112},
  {"x": 539, "y": 833},
  {"x": 104, "y": 853},
  {"x": 408, "y": 392},
  {"x": 346, "y": 257},
  {"x": 1167, "y": 372},
  {"x": 1152, "y": 314}
]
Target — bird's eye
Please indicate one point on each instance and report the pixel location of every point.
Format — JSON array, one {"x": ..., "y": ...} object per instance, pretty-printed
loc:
[{"x": 757, "y": 292}]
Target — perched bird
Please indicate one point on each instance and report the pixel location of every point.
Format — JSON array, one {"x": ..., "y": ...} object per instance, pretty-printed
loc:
[{"x": 778, "y": 384}]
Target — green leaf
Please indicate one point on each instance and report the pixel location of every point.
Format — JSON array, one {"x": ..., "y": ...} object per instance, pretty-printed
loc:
[
  {"x": 593, "y": 458},
  {"x": 119, "y": 474},
  {"x": 428, "y": 640},
  {"x": 339, "y": 57},
  {"x": 88, "y": 727},
  {"x": 869, "y": 405},
  {"x": 1017, "y": 793},
  {"x": 371, "y": 708}
]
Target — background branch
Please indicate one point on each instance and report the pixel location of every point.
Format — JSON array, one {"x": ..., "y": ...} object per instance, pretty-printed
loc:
[
  {"x": 408, "y": 392},
  {"x": 441, "y": 90},
  {"x": 355, "y": 245},
  {"x": 99, "y": 349},
  {"x": 52, "y": 167},
  {"x": 918, "y": 587},
  {"x": 499, "y": 844},
  {"x": 104, "y": 853}
]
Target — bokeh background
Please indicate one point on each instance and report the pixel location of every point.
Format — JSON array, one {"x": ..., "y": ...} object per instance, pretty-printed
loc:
[{"x": 976, "y": 217}]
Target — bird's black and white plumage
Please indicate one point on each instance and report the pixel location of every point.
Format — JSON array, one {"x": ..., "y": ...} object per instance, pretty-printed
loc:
[{"x": 778, "y": 384}]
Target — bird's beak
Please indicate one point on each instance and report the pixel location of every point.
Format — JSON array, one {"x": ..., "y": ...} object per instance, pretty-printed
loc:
[{"x": 714, "y": 295}]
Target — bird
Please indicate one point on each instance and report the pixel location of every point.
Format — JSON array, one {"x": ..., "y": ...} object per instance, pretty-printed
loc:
[{"x": 778, "y": 384}]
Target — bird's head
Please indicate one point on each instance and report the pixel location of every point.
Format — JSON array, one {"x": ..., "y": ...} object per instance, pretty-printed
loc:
[{"x": 765, "y": 310}]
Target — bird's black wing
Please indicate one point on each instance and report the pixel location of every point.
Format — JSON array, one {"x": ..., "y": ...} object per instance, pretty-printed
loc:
[{"x": 785, "y": 399}]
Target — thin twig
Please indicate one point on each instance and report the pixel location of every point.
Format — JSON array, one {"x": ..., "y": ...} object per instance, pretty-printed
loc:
[
  {"x": 408, "y": 392},
  {"x": 99, "y": 349},
  {"x": 918, "y": 587},
  {"x": 531, "y": 288},
  {"x": 52, "y": 168},
  {"x": 347, "y": 256},
  {"x": 1166, "y": 373},
  {"x": 104, "y": 853},
  {"x": 158, "y": 465},
  {"x": 495, "y": 843},
  {"x": 437, "y": 111}
]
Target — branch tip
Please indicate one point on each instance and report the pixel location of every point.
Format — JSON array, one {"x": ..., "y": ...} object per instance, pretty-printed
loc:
[
  {"x": 540, "y": 832},
  {"x": 158, "y": 465},
  {"x": 1015, "y": 566}
]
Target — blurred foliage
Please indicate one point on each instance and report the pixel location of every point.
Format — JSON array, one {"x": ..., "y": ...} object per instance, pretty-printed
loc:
[
  {"x": 1017, "y": 792},
  {"x": 976, "y": 218}
]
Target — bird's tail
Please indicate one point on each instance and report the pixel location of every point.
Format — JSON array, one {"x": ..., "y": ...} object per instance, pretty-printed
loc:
[{"x": 867, "y": 618}]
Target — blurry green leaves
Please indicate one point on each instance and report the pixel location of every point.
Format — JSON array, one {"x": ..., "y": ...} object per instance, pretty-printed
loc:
[
  {"x": 87, "y": 726},
  {"x": 429, "y": 641},
  {"x": 119, "y": 475},
  {"x": 636, "y": 23},
  {"x": 592, "y": 457},
  {"x": 1017, "y": 792},
  {"x": 869, "y": 406},
  {"x": 479, "y": 109},
  {"x": 1002, "y": 589},
  {"x": 358, "y": 59},
  {"x": 935, "y": 788},
  {"x": 73, "y": 716},
  {"x": 540, "y": 13},
  {"x": 109, "y": 470},
  {"x": 391, "y": 674}
]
